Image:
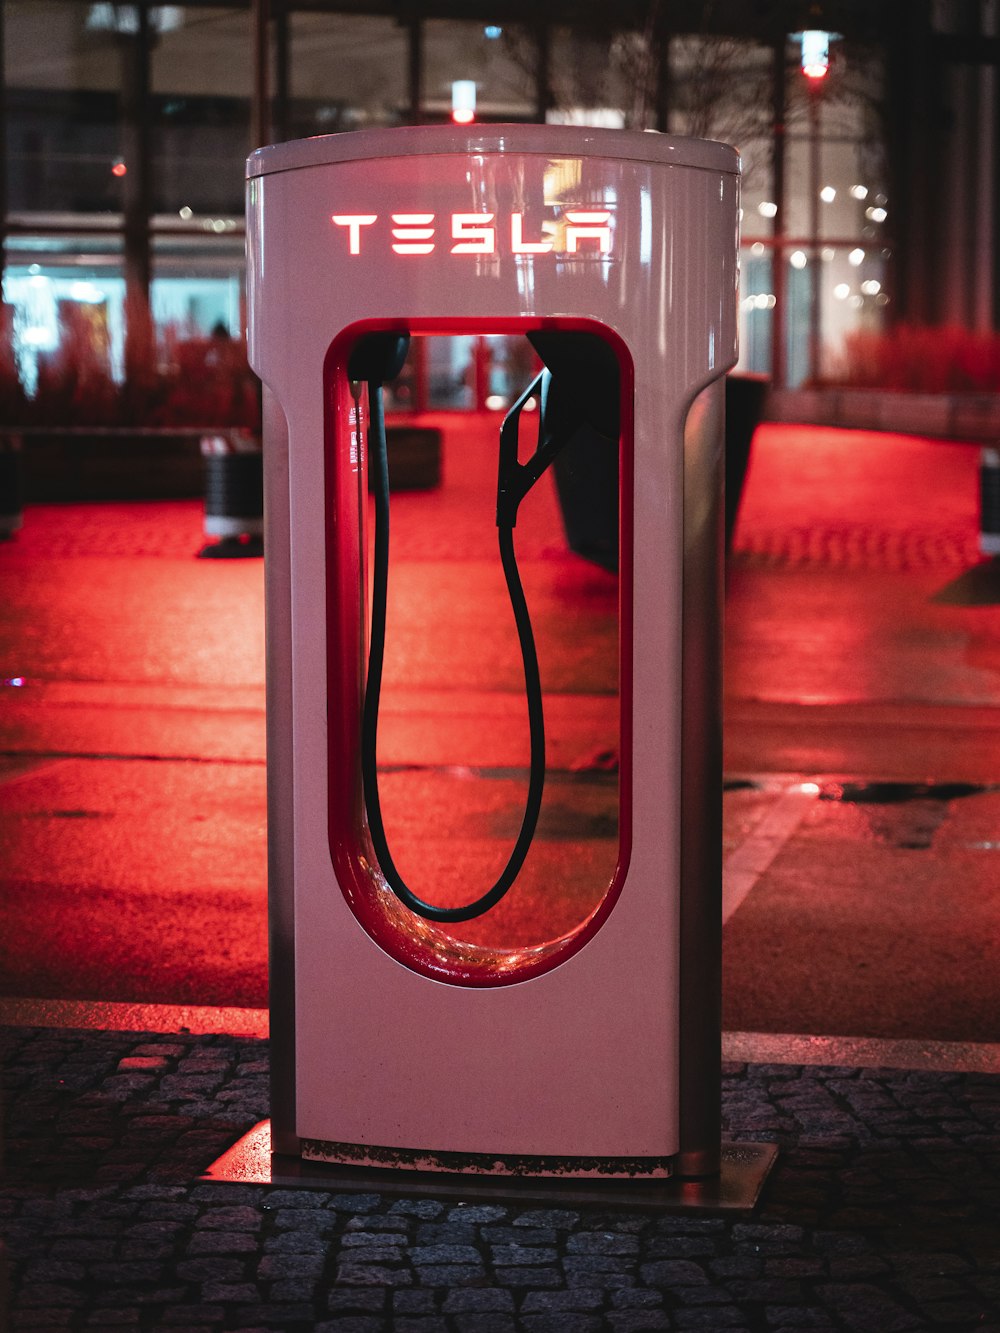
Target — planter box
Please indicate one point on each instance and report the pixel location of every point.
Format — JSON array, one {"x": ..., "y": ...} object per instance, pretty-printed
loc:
[
  {"x": 112, "y": 464},
  {"x": 977, "y": 416},
  {"x": 918, "y": 413},
  {"x": 948, "y": 416}
]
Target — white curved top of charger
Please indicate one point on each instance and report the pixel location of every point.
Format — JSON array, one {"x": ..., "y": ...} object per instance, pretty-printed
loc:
[{"x": 549, "y": 140}]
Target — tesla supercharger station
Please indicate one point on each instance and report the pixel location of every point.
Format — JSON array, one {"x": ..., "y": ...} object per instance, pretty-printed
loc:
[{"x": 395, "y": 1040}]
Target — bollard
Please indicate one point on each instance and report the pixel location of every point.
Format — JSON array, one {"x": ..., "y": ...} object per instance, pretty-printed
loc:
[
  {"x": 234, "y": 495},
  {"x": 11, "y": 485},
  {"x": 989, "y": 502}
]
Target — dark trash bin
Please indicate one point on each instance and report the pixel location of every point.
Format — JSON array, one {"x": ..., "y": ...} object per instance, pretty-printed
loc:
[
  {"x": 234, "y": 494},
  {"x": 414, "y": 457},
  {"x": 586, "y": 475}
]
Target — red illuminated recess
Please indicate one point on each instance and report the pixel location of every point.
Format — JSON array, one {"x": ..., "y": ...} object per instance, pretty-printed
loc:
[
  {"x": 434, "y": 950},
  {"x": 584, "y": 230}
]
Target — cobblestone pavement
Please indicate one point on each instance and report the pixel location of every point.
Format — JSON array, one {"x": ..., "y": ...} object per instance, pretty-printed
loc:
[{"x": 882, "y": 1214}]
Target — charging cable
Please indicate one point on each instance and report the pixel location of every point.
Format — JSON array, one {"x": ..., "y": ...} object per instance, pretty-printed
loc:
[{"x": 513, "y": 483}]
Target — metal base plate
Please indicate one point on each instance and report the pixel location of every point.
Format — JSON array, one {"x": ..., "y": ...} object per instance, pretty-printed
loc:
[{"x": 736, "y": 1189}]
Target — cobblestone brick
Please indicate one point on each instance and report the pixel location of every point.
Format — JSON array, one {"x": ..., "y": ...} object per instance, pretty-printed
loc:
[
  {"x": 450, "y": 1275},
  {"x": 372, "y": 1275},
  {"x": 520, "y": 1235},
  {"x": 484, "y": 1323},
  {"x": 242, "y": 1218},
  {"x": 673, "y": 1273},
  {"x": 375, "y": 1254},
  {"x": 637, "y": 1321},
  {"x": 718, "y": 1317},
  {"x": 301, "y": 1219},
  {"x": 596, "y": 1242},
  {"x": 296, "y": 1242},
  {"x": 468, "y": 1213},
  {"x": 680, "y": 1247},
  {"x": 562, "y": 1323},
  {"x": 862, "y": 1306},
  {"x": 478, "y": 1298},
  {"x": 583, "y": 1273},
  {"x": 355, "y": 1203},
  {"x": 378, "y": 1222},
  {"x": 560, "y": 1219},
  {"x": 529, "y": 1277},
  {"x": 222, "y": 1242},
  {"x": 274, "y": 1266},
  {"x": 293, "y": 1289},
  {"x": 511, "y": 1255},
  {"x": 218, "y": 1268},
  {"x": 230, "y": 1291},
  {"x": 549, "y": 1302},
  {"x": 347, "y": 1299},
  {"x": 194, "y": 1315},
  {"x": 359, "y": 1323},
  {"x": 880, "y": 1218},
  {"x": 275, "y": 1199},
  {"x": 425, "y": 1208},
  {"x": 444, "y": 1254},
  {"x": 412, "y": 1301},
  {"x": 445, "y": 1233}
]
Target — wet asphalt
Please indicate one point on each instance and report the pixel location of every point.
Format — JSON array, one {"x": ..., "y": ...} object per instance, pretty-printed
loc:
[{"x": 863, "y": 656}]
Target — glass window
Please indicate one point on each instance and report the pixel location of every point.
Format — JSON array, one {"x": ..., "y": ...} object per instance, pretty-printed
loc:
[
  {"x": 500, "y": 61},
  {"x": 67, "y": 308},
  {"x": 346, "y": 72},
  {"x": 201, "y": 94},
  {"x": 720, "y": 88},
  {"x": 198, "y": 286},
  {"x": 68, "y": 297},
  {"x": 586, "y": 83},
  {"x": 757, "y": 303},
  {"x": 63, "y": 67}
]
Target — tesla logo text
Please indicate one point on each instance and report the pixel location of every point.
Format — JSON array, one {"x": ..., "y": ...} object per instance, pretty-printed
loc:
[{"x": 476, "y": 233}]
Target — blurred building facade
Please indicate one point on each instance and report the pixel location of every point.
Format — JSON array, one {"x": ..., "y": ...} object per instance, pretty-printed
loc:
[{"x": 870, "y": 195}]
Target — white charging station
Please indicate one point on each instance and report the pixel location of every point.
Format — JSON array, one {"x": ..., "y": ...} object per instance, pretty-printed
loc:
[{"x": 394, "y": 1041}]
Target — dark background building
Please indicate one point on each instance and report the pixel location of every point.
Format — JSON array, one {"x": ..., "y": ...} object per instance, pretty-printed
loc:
[{"x": 870, "y": 196}]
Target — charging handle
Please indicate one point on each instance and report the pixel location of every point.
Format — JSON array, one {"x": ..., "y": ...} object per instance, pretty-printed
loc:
[
  {"x": 578, "y": 388},
  {"x": 378, "y": 357}
]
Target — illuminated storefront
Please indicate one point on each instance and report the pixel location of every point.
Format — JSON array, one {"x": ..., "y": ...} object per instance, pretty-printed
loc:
[{"x": 127, "y": 127}]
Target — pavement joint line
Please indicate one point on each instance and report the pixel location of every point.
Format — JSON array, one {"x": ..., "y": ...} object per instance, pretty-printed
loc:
[
  {"x": 125, "y": 1016},
  {"x": 32, "y": 767},
  {"x": 745, "y": 865},
  {"x": 120, "y": 757},
  {"x": 958, "y": 1057},
  {"x": 757, "y": 1048}
]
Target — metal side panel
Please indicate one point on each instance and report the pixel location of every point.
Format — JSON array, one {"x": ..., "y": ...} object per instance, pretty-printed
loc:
[{"x": 280, "y": 791}]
